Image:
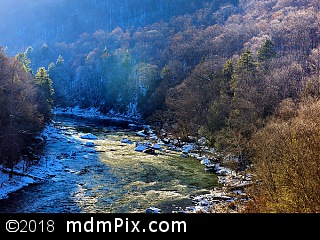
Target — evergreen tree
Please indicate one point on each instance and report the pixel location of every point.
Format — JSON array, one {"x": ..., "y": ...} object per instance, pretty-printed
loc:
[
  {"x": 125, "y": 95},
  {"x": 26, "y": 62},
  {"x": 60, "y": 82},
  {"x": 45, "y": 93},
  {"x": 126, "y": 61},
  {"x": 246, "y": 63},
  {"x": 60, "y": 61},
  {"x": 29, "y": 53},
  {"x": 266, "y": 51},
  {"x": 226, "y": 78}
]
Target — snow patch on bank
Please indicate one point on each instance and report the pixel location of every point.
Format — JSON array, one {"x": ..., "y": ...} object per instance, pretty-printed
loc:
[
  {"x": 96, "y": 113},
  {"x": 23, "y": 176}
]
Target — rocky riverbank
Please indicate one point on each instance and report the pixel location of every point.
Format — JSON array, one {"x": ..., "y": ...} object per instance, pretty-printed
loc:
[{"x": 229, "y": 197}]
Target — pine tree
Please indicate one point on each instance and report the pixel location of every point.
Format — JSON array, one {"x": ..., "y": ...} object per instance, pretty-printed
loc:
[
  {"x": 45, "y": 93},
  {"x": 266, "y": 51},
  {"x": 226, "y": 78},
  {"x": 60, "y": 60},
  {"x": 25, "y": 61}
]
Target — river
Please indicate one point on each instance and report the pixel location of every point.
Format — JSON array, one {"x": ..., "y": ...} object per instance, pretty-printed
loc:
[{"x": 105, "y": 175}]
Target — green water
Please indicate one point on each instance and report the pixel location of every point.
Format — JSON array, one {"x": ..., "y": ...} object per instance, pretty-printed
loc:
[
  {"x": 164, "y": 180},
  {"x": 110, "y": 177}
]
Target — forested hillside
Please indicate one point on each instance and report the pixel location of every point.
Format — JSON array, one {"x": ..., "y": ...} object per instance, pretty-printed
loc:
[
  {"x": 36, "y": 21},
  {"x": 243, "y": 74}
]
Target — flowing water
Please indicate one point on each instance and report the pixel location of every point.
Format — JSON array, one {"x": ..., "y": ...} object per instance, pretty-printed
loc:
[{"x": 109, "y": 176}]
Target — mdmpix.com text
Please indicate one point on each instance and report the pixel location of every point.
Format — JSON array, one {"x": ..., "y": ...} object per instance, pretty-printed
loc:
[{"x": 125, "y": 225}]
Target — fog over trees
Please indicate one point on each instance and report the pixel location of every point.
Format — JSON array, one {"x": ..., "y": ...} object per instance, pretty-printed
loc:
[{"x": 35, "y": 21}]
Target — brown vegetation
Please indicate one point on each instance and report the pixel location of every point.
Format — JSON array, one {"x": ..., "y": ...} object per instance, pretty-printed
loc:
[
  {"x": 286, "y": 160},
  {"x": 20, "y": 117}
]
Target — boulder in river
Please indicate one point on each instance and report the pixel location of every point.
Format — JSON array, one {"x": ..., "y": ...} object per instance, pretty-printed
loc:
[
  {"x": 89, "y": 136},
  {"x": 153, "y": 209}
]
